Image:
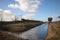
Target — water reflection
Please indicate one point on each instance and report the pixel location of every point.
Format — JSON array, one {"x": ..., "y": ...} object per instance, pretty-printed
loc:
[{"x": 37, "y": 33}]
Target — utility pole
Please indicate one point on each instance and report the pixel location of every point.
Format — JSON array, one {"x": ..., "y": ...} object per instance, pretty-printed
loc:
[
  {"x": 16, "y": 17},
  {"x": 1, "y": 23}
]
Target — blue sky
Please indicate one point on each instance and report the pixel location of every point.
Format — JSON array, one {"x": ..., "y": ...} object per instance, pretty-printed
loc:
[{"x": 45, "y": 9}]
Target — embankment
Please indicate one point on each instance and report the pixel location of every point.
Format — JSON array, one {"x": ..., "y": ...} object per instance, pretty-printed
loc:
[{"x": 53, "y": 31}]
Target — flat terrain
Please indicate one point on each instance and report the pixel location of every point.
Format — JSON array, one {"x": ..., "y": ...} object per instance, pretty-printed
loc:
[
  {"x": 16, "y": 27},
  {"x": 5, "y": 36},
  {"x": 53, "y": 31},
  {"x": 19, "y": 26}
]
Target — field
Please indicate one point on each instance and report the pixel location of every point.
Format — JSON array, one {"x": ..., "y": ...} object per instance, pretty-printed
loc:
[
  {"x": 53, "y": 31},
  {"x": 17, "y": 27}
]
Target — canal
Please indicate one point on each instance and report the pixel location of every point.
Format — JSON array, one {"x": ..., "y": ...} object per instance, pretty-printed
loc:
[{"x": 37, "y": 33}]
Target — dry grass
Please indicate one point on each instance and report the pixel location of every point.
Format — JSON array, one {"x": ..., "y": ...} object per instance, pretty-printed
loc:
[
  {"x": 54, "y": 31},
  {"x": 5, "y": 36},
  {"x": 19, "y": 26},
  {"x": 16, "y": 26}
]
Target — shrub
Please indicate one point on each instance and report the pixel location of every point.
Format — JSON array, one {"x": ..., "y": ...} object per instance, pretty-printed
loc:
[{"x": 27, "y": 26}]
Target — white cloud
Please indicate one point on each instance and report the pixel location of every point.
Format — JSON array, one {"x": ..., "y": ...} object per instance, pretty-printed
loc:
[
  {"x": 28, "y": 16},
  {"x": 7, "y": 12},
  {"x": 0, "y": 13},
  {"x": 13, "y": 6},
  {"x": 26, "y": 5},
  {"x": 1, "y": 10},
  {"x": 6, "y": 15}
]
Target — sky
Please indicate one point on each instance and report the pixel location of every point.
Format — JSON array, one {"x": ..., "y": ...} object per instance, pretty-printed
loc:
[{"x": 32, "y": 9}]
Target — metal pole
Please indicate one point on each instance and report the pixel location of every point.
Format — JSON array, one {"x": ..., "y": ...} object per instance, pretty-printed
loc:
[
  {"x": 15, "y": 17},
  {"x": 2, "y": 20},
  {"x": 1, "y": 24}
]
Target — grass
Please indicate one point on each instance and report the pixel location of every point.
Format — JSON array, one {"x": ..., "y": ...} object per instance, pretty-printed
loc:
[
  {"x": 55, "y": 29},
  {"x": 19, "y": 26},
  {"x": 31, "y": 25},
  {"x": 5, "y": 36},
  {"x": 16, "y": 26}
]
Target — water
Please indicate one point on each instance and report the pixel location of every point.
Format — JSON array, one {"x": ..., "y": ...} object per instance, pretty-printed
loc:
[{"x": 37, "y": 33}]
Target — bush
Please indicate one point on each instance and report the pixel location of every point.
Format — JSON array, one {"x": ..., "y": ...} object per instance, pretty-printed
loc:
[
  {"x": 27, "y": 26},
  {"x": 50, "y": 19}
]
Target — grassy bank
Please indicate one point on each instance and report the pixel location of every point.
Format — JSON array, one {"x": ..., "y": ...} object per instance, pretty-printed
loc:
[
  {"x": 5, "y": 36},
  {"x": 54, "y": 31},
  {"x": 19, "y": 26},
  {"x": 16, "y": 26}
]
